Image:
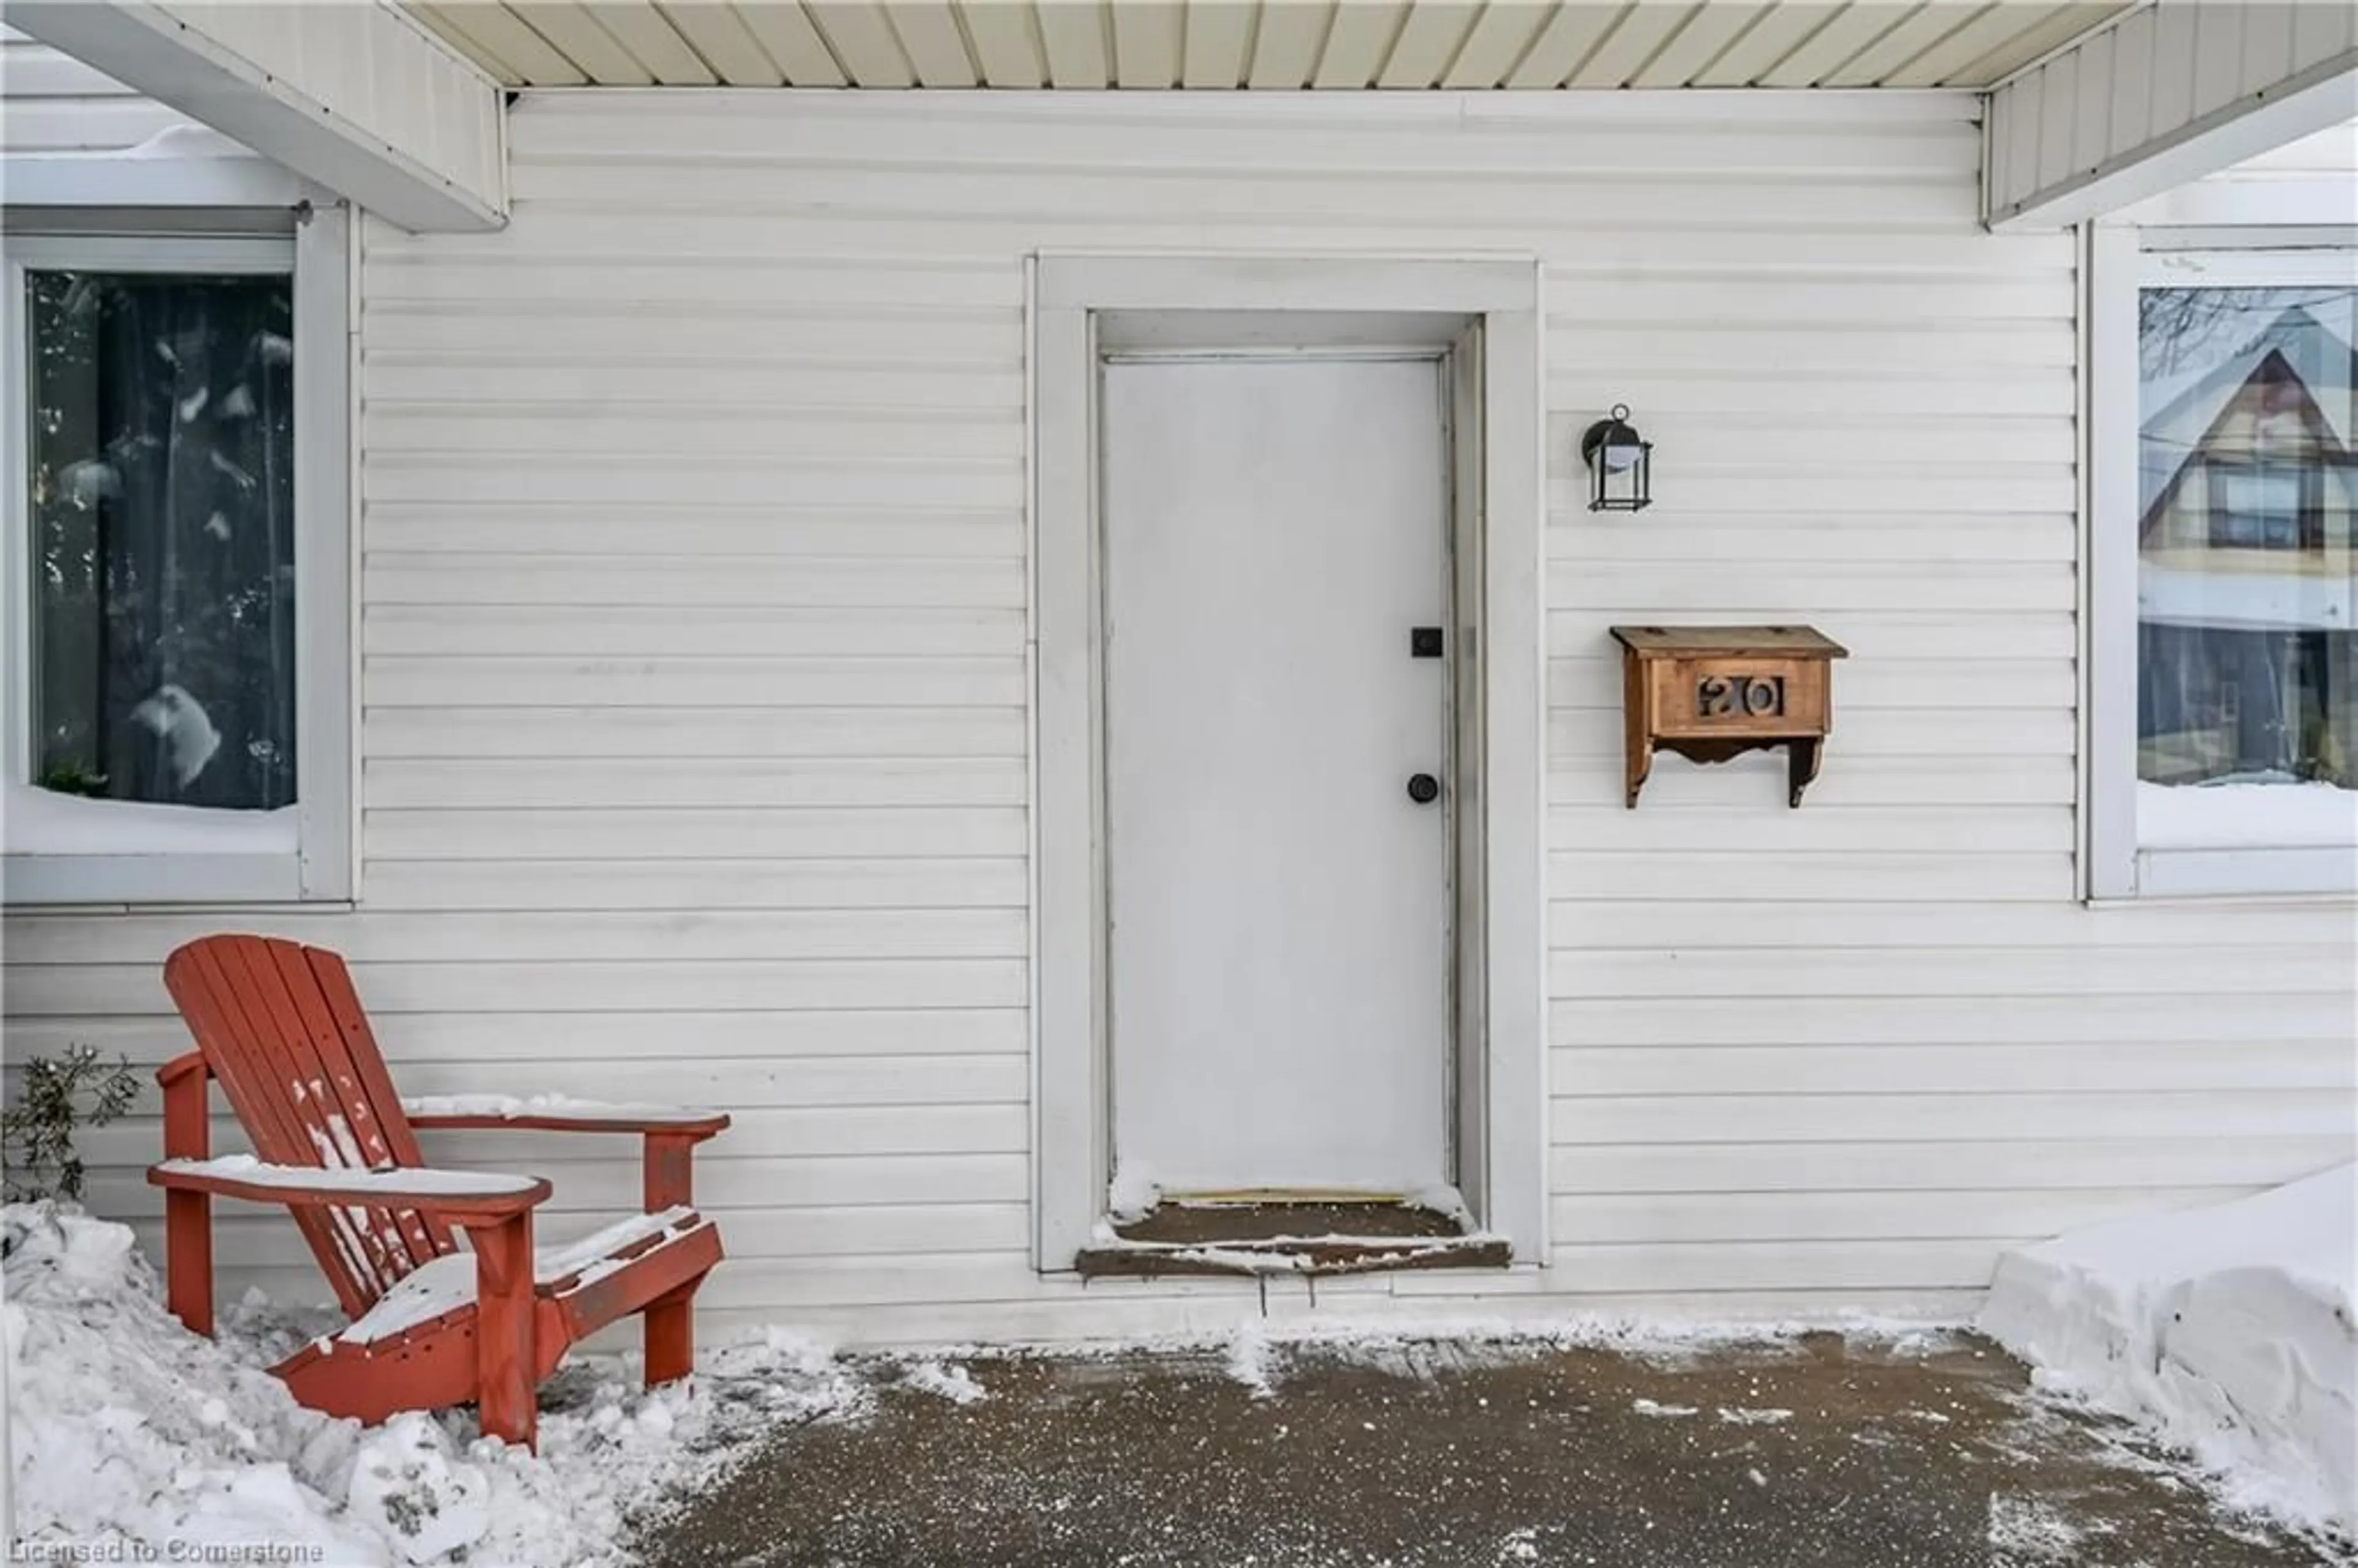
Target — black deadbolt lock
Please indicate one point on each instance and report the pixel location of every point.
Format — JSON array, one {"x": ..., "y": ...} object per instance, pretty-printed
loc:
[
  {"x": 1424, "y": 642},
  {"x": 1423, "y": 788}
]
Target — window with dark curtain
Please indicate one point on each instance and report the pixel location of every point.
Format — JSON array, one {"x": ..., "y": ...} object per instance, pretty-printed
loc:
[{"x": 163, "y": 589}]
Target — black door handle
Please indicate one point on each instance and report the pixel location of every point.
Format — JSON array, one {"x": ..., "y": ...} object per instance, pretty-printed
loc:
[{"x": 1423, "y": 788}]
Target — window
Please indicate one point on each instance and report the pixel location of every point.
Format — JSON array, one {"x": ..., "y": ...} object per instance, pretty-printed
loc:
[
  {"x": 2265, "y": 503},
  {"x": 2226, "y": 751},
  {"x": 177, "y": 568}
]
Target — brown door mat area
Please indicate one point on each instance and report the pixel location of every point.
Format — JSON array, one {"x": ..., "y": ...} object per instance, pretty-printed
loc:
[{"x": 1279, "y": 1236}]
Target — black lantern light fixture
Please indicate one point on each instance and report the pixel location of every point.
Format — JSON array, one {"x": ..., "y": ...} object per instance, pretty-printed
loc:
[{"x": 1621, "y": 464}]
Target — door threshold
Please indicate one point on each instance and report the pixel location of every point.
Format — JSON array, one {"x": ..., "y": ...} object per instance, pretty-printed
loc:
[{"x": 1287, "y": 1237}]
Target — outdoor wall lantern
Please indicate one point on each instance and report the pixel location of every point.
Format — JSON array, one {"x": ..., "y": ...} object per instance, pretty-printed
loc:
[{"x": 1621, "y": 464}]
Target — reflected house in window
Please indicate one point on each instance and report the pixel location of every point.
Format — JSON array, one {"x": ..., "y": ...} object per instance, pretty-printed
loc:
[{"x": 2246, "y": 537}]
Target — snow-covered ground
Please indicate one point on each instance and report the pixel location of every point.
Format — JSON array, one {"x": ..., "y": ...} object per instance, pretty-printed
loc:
[
  {"x": 125, "y": 1430},
  {"x": 2229, "y": 1328}
]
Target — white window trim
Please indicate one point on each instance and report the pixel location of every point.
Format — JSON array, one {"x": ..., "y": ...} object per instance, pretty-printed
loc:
[
  {"x": 1070, "y": 294},
  {"x": 320, "y": 866},
  {"x": 2121, "y": 262}
]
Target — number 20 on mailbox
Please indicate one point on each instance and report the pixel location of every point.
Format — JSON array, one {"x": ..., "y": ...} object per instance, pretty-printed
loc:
[{"x": 1733, "y": 697}]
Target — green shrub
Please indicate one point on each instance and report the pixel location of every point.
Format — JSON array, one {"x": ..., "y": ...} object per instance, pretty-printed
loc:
[{"x": 54, "y": 1099}]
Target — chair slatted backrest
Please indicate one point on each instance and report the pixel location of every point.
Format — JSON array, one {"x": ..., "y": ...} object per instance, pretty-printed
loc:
[{"x": 281, "y": 1028}]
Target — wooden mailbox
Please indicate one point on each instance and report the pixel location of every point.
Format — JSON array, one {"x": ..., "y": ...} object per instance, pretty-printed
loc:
[{"x": 1710, "y": 692}]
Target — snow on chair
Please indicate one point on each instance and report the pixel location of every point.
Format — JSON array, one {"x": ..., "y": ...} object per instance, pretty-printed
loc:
[{"x": 280, "y": 1025}]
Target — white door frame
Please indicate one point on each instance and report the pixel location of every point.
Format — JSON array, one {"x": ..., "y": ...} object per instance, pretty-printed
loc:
[{"x": 1074, "y": 300}]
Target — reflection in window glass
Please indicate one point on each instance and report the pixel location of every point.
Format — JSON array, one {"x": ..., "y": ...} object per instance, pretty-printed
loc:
[
  {"x": 2245, "y": 586},
  {"x": 162, "y": 476}
]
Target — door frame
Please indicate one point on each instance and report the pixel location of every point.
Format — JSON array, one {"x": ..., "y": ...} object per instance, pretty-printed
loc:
[{"x": 1485, "y": 310}]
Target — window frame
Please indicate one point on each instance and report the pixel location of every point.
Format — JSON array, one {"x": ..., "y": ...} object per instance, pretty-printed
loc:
[
  {"x": 312, "y": 245},
  {"x": 2122, "y": 261}
]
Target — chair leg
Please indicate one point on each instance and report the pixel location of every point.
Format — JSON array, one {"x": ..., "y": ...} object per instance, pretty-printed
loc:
[
  {"x": 503, "y": 1330},
  {"x": 671, "y": 1335},
  {"x": 188, "y": 1260},
  {"x": 670, "y": 1171},
  {"x": 188, "y": 1216},
  {"x": 670, "y": 1182}
]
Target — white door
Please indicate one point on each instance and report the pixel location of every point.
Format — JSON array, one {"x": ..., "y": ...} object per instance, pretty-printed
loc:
[{"x": 1274, "y": 530}]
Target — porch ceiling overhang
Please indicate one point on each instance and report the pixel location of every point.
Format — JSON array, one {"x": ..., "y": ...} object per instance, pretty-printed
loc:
[
  {"x": 355, "y": 97},
  {"x": 1280, "y": 45},
  {"x": 2171, "y": 93}
]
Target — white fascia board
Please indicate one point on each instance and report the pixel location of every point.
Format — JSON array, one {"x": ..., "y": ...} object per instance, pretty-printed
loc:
[
  {"x": 164, "y": 52},
  {"x": 2139, "y": 110}
]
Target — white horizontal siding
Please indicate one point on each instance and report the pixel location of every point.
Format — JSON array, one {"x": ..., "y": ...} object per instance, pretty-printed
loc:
[
  {"x": 60, "y": 118},
  {"x": 2308, "y": 183},
  {"x": 2328, "y": 153},
  {"x": 694, "y": 727},
  {"x": 51, "y": 102}
]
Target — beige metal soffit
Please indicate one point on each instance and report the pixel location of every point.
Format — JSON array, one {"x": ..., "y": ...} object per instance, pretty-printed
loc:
[{"x": 1261, "y": 45}]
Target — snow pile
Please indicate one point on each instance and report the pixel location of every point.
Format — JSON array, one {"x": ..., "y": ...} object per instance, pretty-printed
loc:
[
  {"x": 393, "y": 1183},
  {"x": 1249, "y": 1361},
  {"x": 126, "y": 1429},
  {"x": 38, "y": 821},
  {"x": 2236, "y": 813},
  {"x": 1443, "y": 1199},
  {"x": 448, "y": 1284},
  {"x": 1132, "y": 1194},
  {"x": 1650, "y": 1407},
  {"x": 516, "y": 1107},
  {"x": 2228, "y": 1327},
  {"x": 947, "y": 1380},
  {"x": 2024, "y": 1530},
  {"x": 1761, "y": 1415},
  {"x": 129, "y": 1433}
]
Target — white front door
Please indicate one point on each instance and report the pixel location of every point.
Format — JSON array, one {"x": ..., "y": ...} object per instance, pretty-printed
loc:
[{"x": 1275, "y": 531}]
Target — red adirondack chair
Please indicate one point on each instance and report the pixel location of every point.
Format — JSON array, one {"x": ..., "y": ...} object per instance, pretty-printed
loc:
[{"x": 279, "y": 1024}]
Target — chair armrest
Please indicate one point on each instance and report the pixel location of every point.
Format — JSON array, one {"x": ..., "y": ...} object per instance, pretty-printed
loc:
[
  {"x": 188, "y": 1106},
  {"x": 181, "y": 1065},
  {"x": 557, "y": 1113},
  {"x": 465, "y": 1196}
]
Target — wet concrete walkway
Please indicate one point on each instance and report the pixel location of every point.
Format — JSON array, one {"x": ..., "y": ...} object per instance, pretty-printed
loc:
[{"x": 1817, "y": 1452}]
